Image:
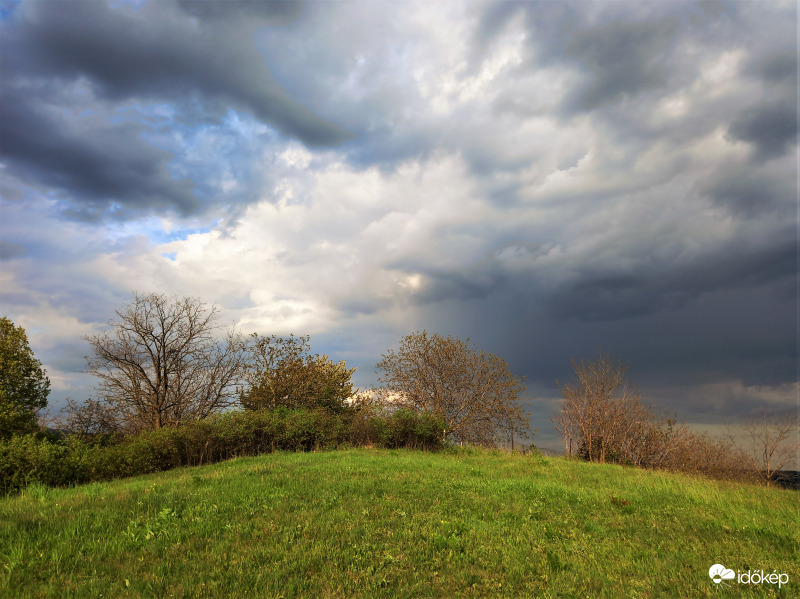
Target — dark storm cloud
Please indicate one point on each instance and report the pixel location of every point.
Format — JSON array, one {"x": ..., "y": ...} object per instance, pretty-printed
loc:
[
  {"x": 362, "y": 305},
  {"x": 655, "y": 287},
  {"x": 495, "y": 16},
  {"x": 746, "y": 191},
  {"x": 465, "y": 285},
  {"x": 771, "y": 128},
  {"x": 776, "y": 67},
  {"x": 615, "y": 52},
  {"x": 745, "y": 334},
  {"x": 158, "y": 53},
  {"x": 92, "y": 167},
  {"x": 113, "y": 56}
]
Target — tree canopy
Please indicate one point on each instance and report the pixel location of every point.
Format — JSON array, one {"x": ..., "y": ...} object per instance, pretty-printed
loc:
[
  {"x": 282, "y": 372},
  {"x": 474, "y": 392},
  {"x": 24, "y": 385}
]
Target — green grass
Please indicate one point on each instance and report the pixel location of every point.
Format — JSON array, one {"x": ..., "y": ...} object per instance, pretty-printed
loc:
[{"x": 379, "y": 523}]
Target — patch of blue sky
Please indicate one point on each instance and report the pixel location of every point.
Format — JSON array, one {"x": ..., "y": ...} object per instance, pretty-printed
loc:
[
  {"x": 222, "y": 158},
  {"x": 157, "y": 230},
  {"x": 183, "y": 234},
  {"x": 228, "y": 133},
  {"x": 244, "y": 124},
  {"x": 172, "y": 256},
  {"x": 7, "y": 8}
]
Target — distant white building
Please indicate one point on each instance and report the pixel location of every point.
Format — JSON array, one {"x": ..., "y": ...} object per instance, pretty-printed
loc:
[{"x": 381, "y": 399}]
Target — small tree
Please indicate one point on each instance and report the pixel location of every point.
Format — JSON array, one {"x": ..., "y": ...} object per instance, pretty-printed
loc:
[
  {"x": 603, "y": 420},
  {"x": 282, "y": 372},
  {"x": 24, "y": 385},
  {"x": 161, "y": 363},
  {"x": 91, "y": 418},
  {"x": 474, "y": 393},
  {"x": 599, "y": 411},
  {"x": 772, "y": 442}
]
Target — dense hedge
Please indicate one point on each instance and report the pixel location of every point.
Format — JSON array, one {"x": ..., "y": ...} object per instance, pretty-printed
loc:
[{"x": 77, "y": 459}]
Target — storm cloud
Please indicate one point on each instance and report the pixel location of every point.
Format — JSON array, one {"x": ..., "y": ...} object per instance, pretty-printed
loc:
[
  {"x": 65, "y": 62},
  {"x": 545, "y": 178}
]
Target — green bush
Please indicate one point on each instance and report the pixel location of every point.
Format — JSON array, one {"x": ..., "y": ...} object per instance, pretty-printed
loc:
[
  {"x": 399, "y": 430},
  {"x": 153, "y": 451},
  {"x": 429, "y": 432},
  {"x": 25, "y": 459},
  {"x": 406, "y": 428}
]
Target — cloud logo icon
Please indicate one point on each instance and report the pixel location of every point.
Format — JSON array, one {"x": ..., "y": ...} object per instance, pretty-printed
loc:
[{"x": 720, "y": 573}]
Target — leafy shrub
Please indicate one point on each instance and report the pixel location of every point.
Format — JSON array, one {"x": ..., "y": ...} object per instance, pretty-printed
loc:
[
  {"x": 25, "y": 459},
  {"x": 407, "y": 428},
  {"x": 153, "y": 451},
  {"x": 429, "y": 432},
  {"x": 82, "y": 458}
]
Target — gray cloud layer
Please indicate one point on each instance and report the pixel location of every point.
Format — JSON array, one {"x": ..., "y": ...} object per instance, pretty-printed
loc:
[
  {"x": 65, "y": 61},
  {"x": 546, "y": 178}
]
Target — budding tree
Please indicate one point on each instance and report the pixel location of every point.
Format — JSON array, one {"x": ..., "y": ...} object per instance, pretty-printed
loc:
[
  {"x": 161, "y": 362},
  {"x": 282, "y": 372},
  {"x": 475, "y": 393}
]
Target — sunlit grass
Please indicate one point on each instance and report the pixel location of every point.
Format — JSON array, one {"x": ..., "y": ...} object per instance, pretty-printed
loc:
[{"x": 365, "y": 523}]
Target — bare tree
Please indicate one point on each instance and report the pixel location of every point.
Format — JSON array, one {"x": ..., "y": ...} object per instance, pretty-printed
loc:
[
  {"x": 599, "y": 411},
  {"x": 475, "y": 393},
  {"x": 650, "y": 440},
  {"x": 161, "y": 363},
  {"x": 603, "y": 420},
  {"x": 700, "y": 453},
  {"x": 773, "y": 443},
  {"x": 90, "y": 418}
]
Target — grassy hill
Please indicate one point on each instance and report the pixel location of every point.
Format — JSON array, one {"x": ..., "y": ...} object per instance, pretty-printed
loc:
[{"x": 380, "y": 523}]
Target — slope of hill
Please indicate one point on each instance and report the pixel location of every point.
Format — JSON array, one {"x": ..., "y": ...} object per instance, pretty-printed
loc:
[{"x": 379, "y": 523}]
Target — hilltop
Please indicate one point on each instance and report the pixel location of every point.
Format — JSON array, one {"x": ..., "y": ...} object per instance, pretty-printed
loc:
[{"x": 386, "y": 523}]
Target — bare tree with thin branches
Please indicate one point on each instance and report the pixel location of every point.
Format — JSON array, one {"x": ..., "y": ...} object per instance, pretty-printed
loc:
[
  {"x": 598, "y": 411},
  {"x": 161, "y": 362},
  {"x": 772, "y": 441},
  {"x": 603, "y": 420}
]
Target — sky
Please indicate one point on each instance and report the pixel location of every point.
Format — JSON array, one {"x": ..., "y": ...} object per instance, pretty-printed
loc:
[{"x": 547, "y": 179}]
